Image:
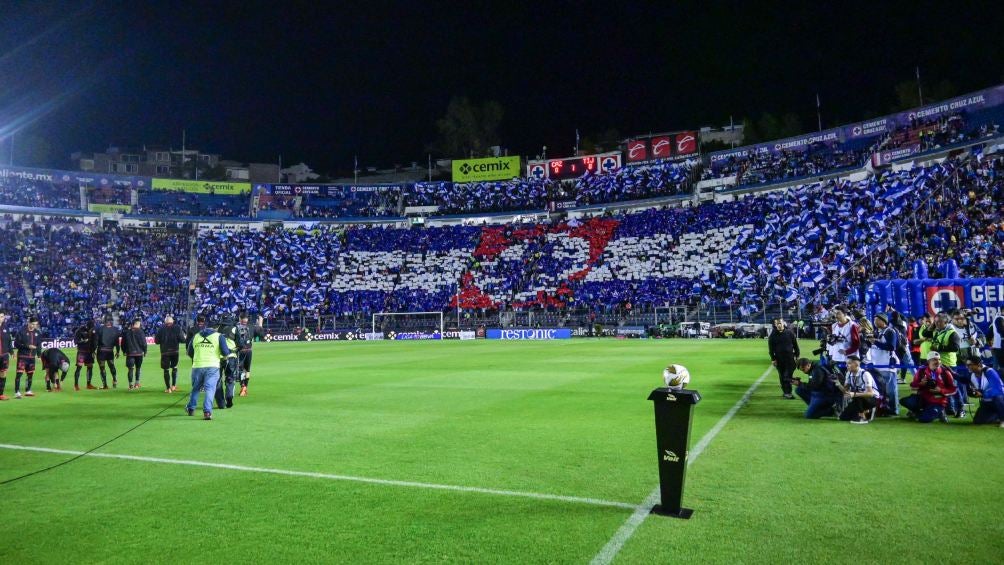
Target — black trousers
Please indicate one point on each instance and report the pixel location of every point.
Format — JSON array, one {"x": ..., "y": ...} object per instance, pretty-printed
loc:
[{"x": 785, "y": 370}]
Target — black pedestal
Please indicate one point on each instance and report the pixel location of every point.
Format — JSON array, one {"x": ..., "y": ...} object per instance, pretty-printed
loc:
[{"x": 674, "y": 410}]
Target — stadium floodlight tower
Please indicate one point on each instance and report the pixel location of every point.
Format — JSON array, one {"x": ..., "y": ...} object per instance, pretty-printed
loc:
[{"x": 437, "y": 316}]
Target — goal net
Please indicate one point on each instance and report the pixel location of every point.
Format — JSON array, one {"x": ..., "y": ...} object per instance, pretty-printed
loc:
[{"x": 408, "y": 322}]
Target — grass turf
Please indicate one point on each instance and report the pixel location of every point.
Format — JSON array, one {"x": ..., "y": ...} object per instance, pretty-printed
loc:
[{"x": 563, "y": 418}]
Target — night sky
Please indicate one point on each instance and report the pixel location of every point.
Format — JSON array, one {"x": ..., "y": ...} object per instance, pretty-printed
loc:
[{"x": 319, "y": 85}]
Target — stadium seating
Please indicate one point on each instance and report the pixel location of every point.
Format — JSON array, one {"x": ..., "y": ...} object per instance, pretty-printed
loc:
[
  {"x": 17, "y": 191},
  {"x": 814, "y": 242},
  {"x": 187, "y": 204}
]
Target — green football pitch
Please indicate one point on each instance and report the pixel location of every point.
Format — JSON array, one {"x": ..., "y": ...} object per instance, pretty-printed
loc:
[{"x": 485, "y": 452}]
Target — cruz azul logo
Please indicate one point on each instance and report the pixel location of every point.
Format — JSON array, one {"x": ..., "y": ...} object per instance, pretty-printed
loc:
[
  {"x": 945, "y": 298},
  {"x": 670, "y": 456}
]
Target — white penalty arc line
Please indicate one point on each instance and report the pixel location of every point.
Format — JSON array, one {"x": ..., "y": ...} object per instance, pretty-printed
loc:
[
  {"x": 624, "y": 533},
  {"x": 331, "y": 477}
]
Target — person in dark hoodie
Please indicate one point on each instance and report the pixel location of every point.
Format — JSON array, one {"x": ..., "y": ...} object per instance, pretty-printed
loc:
[
  {"x": 87, "y": 341},
  {"x": 228, "y": 365},
  {"x": 169, "y": 337},
  {"x": 206, "y": 348},
  {"x": 109, "y": 347},
  {"x": 6, "y": 346},
  {"x": 134, "y": 347}
]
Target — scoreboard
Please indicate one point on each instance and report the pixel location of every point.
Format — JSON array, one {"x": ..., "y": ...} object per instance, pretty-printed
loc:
[
  {"x": 561, "y": 169},
  {"x": 574, "y": 167}
]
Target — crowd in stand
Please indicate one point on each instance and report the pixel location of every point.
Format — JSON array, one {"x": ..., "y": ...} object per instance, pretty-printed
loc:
[
  {"x": 811, "y": 243},
  {"x": 628, "y": 183},
  {"x": 824, "y": 241},
  {"x": 16, "y": 191},
  {"x": 187, "y": 204},
  {"x": 67, "y": 273},
  {"x": 767, "y": 167},
  {"x": 933, "y": 133}
]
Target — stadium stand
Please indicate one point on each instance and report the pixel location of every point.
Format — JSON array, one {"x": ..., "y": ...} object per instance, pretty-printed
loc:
[
  {"x": 791, "y": 246},
  {"x": 818, "y": 242},
  {"x": 177, "y": 203},
  {"x": 18, "y": 188}
]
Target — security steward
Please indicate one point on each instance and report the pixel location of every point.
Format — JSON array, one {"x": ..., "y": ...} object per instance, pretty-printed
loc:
[{"x": 205, "y": 348}]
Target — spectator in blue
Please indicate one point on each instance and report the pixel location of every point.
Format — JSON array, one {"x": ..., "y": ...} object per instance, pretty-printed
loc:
[{"x": 985, "y": 384}]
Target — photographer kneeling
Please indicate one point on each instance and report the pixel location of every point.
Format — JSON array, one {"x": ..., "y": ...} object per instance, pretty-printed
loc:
[
  {"x": 987, "y": 386},
  {"x": 820, "y": 393},
  {"x": 860, "y": 392},
  {"x": 934, "y": 384}
]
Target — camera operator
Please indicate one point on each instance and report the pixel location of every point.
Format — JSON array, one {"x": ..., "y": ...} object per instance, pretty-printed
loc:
[
  {"x": 934, "y": 384},
  {"x": 970, "y": 337},
  {"x": 820, "y": 393},
  {"x": 922, "y": 339},
  {"x": 783, "y": 348},
  {"x": 883, "y": 355},
  {"x": 997, "y": 340},
  {"x": 860, "y": 392},
  {"x": 986, "y": 385},
  {"x": 844, "y": 338}
]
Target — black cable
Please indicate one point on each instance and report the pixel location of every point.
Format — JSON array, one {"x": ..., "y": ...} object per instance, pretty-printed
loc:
[{"x": 93, "y": 449}]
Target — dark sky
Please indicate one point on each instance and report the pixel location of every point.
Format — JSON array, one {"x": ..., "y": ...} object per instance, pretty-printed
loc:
[{"x": 318, "y": 85}]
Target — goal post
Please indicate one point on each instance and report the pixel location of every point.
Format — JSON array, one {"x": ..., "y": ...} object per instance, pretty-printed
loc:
[{"x": 435, "y": 319}]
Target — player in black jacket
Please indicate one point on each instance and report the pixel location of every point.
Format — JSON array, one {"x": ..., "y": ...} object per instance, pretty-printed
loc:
[
  {"x": 28, "y": 342},
  {"x": 108, "y": 349},
  {"x": 169, "y": 337},
  {"x": 783, "y": 347},
  {"x": 87, "y": 341},
  {"x": 54, "y": 360},
  {"x": 6, "y": 346},
  {"x": 134, "y": 347},
  {"x": 245, "y": 336}
]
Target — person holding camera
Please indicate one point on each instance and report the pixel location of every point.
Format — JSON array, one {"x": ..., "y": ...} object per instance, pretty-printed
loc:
[
  {"x": 783, "y": 348},
  {"x": 933, "y": 384},
  {"x": 997, "y": 340},
  {"x": 970, "y": 337},
  {"x": 820, "y": 393},
  {"x": 985, "y": 384},
  {"x": 844, "y": 338},
  {"x": 922, "y": 339},
  {"x": 883, "y": 355},
  {"x": 860, "y": 392}
]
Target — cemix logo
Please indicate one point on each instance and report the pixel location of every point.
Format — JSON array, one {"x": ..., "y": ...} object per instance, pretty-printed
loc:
[
  {"x": 670, "y": 456},
  {"x": 467, "y": 168}
]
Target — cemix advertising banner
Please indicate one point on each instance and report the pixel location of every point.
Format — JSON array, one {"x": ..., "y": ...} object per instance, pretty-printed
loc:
[
  {"x": 202, "y": 186},
  {"x": 529, "y": 335},
  {"x": 109, "y": 208},
  {"x": 492, "y": 168}
]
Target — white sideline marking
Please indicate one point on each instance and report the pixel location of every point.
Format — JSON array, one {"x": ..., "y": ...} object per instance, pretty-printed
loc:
[
  {"x": 328, "y": 476},
  {"x": 613, "y": 547}
]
